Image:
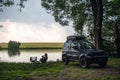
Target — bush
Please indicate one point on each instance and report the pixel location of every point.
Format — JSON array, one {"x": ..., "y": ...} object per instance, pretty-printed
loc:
[{"x": 13, "y": 45}]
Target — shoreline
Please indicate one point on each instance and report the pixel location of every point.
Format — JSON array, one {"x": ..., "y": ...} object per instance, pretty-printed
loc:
[{"x": 35, "y": 46}]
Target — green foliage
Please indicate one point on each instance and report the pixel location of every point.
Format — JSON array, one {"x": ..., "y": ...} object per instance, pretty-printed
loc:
[
  {"x": 111, "y": 22},
  {"x": 13, "y": 45},
  {"x": 109, "y": 46},
  {"x": 77, "y": 13},
  {"x": 67, "y": 11},
  {"x": 9, "y": 3},
  {"x": 80, "y": 14}
]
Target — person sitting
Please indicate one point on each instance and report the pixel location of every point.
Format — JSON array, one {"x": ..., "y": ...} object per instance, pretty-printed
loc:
[{"x": 44, "y": 58}]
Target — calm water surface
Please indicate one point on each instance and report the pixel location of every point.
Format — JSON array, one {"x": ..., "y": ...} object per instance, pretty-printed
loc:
[{"x": 24, "y": 55}]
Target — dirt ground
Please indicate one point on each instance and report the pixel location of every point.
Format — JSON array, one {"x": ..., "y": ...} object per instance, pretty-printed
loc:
[{"x": 92, "y": 73}]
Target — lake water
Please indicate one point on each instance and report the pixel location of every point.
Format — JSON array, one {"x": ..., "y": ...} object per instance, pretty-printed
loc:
[{"x": 24, "y": 55}]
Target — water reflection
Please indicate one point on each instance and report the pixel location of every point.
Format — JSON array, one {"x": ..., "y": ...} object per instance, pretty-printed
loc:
[
  {"x": 14, "y": 52},
  {"x": 41, "y": 50}
]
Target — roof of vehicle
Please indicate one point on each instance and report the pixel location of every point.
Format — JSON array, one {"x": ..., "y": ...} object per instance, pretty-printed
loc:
[{"x": 75, "y": 37}]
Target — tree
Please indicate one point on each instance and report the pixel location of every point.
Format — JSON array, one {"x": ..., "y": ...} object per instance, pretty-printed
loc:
[
  {"x": 8, "y": 3},
  {"x": 13, "y": 45},
  {"x": 117, "y": 26},
  {"x": 97, "y": 8},
  {"x": 76, "y": 11},
  {"x": 66, "y": 12},
  {"x": 112, "y": 22}
]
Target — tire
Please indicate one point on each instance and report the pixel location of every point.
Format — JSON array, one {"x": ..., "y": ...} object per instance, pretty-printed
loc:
[
  {"x": 84, "y": 63},
  {"x": 103, "y": 64},
  {"x": 65, "y": 60}
]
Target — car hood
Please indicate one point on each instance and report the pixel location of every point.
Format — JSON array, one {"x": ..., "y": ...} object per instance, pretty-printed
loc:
[{"x": 94, "y": 52}]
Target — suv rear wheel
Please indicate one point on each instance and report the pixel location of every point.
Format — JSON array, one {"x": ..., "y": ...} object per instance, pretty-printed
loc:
[
  {"x": 84, "y": 63},
  {"x": 65, "y": 60}
]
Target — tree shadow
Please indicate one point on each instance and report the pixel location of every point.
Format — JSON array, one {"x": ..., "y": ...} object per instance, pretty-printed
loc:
[{"x": 91, "y": 66}]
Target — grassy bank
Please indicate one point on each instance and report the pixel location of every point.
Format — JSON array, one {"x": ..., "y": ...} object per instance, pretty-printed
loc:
[
  {"x": 36, "y": 45},
  {"x": 58, "y": 71}
]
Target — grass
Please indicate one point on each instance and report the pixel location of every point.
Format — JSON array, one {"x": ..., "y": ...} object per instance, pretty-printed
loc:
[
  {"x": 12, "y": 71},
  {"x": 58, "y": 71},
  {"x": 36, "y": 45}
]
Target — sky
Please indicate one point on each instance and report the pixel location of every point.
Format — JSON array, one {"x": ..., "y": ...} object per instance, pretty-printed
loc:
[{"x": 33, "y": 24}]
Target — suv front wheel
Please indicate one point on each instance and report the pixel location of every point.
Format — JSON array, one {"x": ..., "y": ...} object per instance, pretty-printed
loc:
[
  {"x": 65, "y": 60},
  {"x": 84, "y": 63}
]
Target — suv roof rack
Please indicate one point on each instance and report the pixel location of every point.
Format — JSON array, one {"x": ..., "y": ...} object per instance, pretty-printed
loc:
[{"x": 74, "y": 37}]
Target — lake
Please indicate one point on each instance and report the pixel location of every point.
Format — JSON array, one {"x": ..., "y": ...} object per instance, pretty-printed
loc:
[{"x": 24, "y": 55}]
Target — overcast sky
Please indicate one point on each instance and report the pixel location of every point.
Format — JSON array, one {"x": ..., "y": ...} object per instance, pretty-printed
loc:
[{"x": 33, "y": 24}]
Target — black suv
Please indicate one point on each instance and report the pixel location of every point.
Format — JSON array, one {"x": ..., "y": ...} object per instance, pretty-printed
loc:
[{"x": 76, "y": 48}]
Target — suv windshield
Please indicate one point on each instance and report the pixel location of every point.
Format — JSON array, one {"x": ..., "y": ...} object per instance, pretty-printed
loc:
[{"x": 86, "y": 45}]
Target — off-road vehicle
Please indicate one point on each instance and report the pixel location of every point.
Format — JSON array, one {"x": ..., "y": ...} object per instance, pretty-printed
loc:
[{"x": 77, "y": 48}]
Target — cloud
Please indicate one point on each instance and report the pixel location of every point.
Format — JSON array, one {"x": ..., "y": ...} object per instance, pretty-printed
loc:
[
  {"x": 31, "y": 14},
  {"x": 24, "y": 32},
  {"x": 33, "y": 24}
]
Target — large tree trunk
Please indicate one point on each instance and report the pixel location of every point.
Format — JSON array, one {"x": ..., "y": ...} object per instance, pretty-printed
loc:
[
  {"x": 117, "y": 40},
  {"x": 97, "y": 8}
]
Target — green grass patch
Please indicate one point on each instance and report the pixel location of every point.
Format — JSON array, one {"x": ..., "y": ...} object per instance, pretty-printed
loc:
[
  {"x": 14, "y": 70},
  {"x": 56, "y": 70}
]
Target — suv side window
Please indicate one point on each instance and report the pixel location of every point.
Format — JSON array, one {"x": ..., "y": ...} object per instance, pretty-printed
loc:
[
  {"x": 71, "y": 47},
  {"x": 67, "y": 45},
  {"x": 75, "y": 45}
]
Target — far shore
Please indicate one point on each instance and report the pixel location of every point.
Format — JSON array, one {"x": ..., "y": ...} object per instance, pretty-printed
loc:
[{"x": 33, "y": 45}]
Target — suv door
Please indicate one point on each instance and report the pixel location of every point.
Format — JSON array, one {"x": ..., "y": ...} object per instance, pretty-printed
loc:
[
  {"x": 74, "y": 52},
  {"x": 66, "y": 49}
]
